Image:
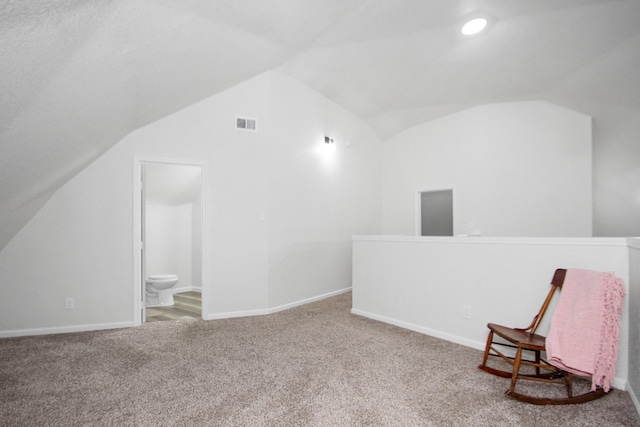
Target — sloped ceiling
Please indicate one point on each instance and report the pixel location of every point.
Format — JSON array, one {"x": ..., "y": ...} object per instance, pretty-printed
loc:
[{"x": 78, "y": 75}]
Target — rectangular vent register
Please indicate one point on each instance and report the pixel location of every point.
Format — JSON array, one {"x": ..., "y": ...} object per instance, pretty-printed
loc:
[{"x": 245, "y": 123}]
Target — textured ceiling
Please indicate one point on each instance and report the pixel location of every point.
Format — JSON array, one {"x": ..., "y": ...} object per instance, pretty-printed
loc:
[{"x": 76, "y": 76}]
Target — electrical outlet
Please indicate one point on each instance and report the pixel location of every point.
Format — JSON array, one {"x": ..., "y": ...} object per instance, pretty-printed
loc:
[
  {"x": 466, "y": 312},
  {"x": 69, "y": 303}
]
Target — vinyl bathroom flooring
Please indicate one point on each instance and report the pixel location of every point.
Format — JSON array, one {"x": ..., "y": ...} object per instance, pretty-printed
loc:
[{"x": 187, "y": 306}]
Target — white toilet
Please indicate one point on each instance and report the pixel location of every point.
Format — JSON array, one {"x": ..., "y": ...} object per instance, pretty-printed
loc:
[{"x": 159, "y": 290}]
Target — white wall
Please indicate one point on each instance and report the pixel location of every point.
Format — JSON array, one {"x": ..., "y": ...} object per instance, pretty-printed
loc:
[
  {"x": 634, "y": 321},
  {"x": 81, "y": 244},
  {"x": 422, "y": 283},
  {"x": 78, "y": 245},
  {"x": 616, "y": 172},
  {"x": 197, "y": 242},
  {"x": 169, "y": 241},
  {"x": 318, "y": 197},
  {"x": 517, "y": 169}
]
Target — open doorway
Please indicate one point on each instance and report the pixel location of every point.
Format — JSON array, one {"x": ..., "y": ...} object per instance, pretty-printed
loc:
[
  {"x": 171, "y": 230},
  {"x": 434, "y": 216}
]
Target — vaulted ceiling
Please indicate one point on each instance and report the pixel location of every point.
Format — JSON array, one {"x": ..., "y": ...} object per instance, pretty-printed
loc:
[{"x": 78, "y": 75}]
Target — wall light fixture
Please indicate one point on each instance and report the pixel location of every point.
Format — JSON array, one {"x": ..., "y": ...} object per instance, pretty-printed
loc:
[{"x": 474, "y": 26}]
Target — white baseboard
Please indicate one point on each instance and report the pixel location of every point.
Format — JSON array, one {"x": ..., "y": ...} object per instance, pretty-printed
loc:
[
  {"x": 308, "y": 300},
  {"x": 634, "y": 398},
  {"x": 232, "y": 314},
  {"x": 262, "y": 312},
  {"x": 227, "y": 315},
  {"x": 63, "y": 329},
  {"x": 186, "y": 289},
  {"x": 618, "y": 383},
  {"x": 421, "y": 329}
]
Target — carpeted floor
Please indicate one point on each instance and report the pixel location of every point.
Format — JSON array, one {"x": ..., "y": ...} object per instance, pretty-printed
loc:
[{"x": 315, "y": 365}]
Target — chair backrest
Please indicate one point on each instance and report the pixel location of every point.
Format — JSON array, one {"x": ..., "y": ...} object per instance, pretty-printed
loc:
[{"x": 556, "y": 283}]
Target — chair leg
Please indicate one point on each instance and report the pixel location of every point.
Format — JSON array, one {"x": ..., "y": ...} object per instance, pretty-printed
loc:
[
  {"x": 537, "y": 362},
  {"x": 569, "y": 380},
  {"x": 516, "y": 370},
  {"x": 568, "y": 377},
  {"x": 487, "y": 349}
]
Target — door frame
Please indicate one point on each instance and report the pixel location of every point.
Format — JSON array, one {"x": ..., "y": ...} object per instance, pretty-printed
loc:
[{"x": 139, "y": 296}]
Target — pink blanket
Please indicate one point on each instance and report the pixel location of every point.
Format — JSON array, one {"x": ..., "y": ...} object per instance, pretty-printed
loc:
[{"x": 585, "y": 329}]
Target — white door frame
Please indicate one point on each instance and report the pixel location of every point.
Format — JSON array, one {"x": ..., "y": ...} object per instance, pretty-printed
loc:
[{"x": 138, "y": 284}]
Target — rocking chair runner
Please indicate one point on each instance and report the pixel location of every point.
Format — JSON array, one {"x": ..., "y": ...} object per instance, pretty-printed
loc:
[{"x": 526, "y": 339}]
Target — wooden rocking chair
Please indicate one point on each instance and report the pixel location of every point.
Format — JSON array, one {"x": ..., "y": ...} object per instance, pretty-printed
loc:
[{"x": 525, "y": 339}]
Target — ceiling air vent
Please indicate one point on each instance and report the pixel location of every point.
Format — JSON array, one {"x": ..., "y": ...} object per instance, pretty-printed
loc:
[{"x": 244, "y": 123}]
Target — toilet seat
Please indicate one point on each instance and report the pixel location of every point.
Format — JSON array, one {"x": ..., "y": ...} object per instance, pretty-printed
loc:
[{"x": 162, "y": 277}]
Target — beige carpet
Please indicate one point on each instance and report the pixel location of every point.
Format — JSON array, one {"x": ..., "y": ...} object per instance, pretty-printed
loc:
[{"x": 315, "y": 365}]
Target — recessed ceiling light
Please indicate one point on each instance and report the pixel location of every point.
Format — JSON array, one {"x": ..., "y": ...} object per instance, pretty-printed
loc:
[{"x": 474, "y": 26}]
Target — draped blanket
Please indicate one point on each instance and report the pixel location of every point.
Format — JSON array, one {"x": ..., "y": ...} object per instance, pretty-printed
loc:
[{"x": 585, "y": 328}]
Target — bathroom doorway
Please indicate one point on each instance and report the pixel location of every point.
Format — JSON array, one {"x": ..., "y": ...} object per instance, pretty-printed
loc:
[{"x": 172, "y": 243}]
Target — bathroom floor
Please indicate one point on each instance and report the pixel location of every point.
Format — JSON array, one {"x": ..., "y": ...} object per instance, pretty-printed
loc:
[{"x": 187, "y": 306}]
